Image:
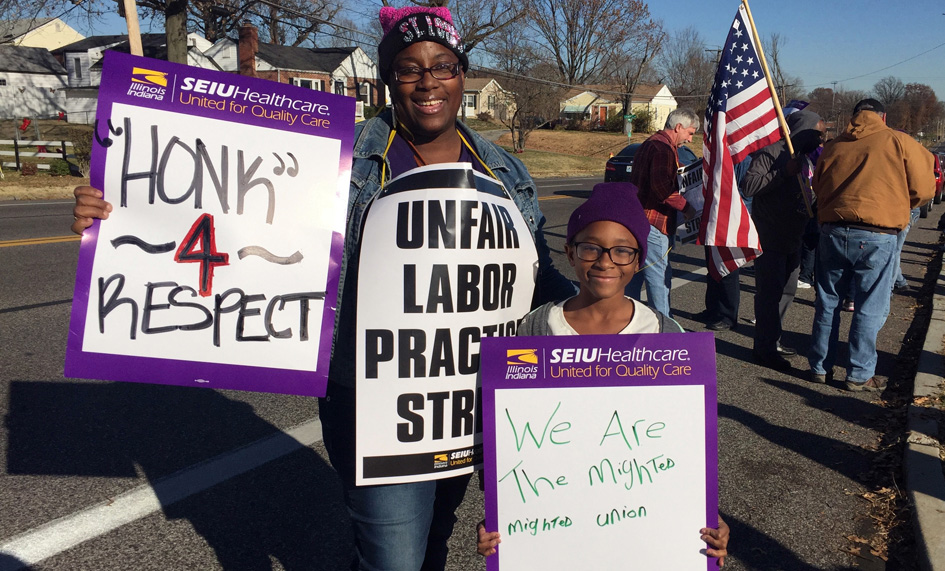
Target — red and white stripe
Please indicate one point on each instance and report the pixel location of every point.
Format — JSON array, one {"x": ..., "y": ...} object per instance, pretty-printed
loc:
[{"x": 748, "y": 123}]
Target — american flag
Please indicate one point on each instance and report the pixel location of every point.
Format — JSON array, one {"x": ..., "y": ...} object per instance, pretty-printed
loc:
[{"x": 739, "y": 119}]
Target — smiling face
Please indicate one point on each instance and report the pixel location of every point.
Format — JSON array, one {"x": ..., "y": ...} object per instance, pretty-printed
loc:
[
  {"x": 428, "y": 107},
  {"x": 603, "y": 279}
]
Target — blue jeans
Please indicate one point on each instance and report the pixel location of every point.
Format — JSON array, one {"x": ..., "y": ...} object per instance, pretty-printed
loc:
[
  {"x": 851, "y": 261},
  {"x": 656, "y": 272},
  {"x": 901, "y": 279},
  {"x": 397, "y": 527}
]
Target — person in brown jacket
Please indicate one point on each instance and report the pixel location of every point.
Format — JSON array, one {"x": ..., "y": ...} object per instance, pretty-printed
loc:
[{"x": 866, "y": 181}]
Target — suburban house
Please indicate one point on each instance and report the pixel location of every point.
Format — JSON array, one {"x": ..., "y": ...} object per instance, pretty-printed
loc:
[
  {"x": 342, "y": 71},
  {"x": 32, "y": 83},
  {"x": 590, "y": 103},
  {"x": 598, "y": 102},
  {"x": 49, "y": 33},
  {"x": 485, "y": 95},
  {"x": 655, "y": 98},
  {"x": 83, "y": 63}
]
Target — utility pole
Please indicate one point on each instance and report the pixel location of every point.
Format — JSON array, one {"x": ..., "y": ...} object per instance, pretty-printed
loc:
[{"x": 833, "y": 112}]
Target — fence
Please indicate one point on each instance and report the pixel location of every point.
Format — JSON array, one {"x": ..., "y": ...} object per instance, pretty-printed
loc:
[{"x": 21, "y": 150}]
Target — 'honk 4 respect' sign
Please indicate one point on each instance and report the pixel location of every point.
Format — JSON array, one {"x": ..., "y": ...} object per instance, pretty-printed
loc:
[
  {"x": 218, "y": 266},
  {"x": 600, "y": 449}
]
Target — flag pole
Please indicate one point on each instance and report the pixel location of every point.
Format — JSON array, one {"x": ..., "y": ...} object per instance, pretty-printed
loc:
[
  {"x": 134, "y": 31},
  {"x": 774, "y": 95}
]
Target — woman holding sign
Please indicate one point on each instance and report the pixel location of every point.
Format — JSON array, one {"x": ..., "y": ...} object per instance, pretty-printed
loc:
[
  {"x": 443, "y": 246},
  {"x": 606, "y": 240}
]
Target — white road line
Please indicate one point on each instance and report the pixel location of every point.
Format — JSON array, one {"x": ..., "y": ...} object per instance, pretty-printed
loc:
[
  {"x": 32, "y": 203},
  {"x": 679, "y": 281},
  {"x": 689, "y": 277},
  {"x": 54, "y": 537},
  {"x": 571, "y": 185}
]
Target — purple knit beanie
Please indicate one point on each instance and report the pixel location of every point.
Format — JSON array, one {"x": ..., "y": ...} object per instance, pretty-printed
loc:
[
  {"x": 404, "y": 27},
  {"x": 616, "y": 202}
]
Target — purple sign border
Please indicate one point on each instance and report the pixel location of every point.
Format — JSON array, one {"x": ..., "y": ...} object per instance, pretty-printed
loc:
[
  {"x": 701, "y": 348},
  {"x": 116, "y": 75}
]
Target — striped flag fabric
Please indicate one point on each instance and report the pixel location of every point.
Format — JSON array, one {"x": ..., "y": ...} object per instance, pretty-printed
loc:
[{"x": 739, "y": 119}]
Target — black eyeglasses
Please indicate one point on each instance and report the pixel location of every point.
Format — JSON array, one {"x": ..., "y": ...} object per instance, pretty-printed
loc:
[
  {"x": 414, "y": 74},
  {"x": 619, "y": 255}
]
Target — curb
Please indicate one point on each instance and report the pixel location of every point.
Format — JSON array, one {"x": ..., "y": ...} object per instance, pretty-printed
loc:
[{"x": 925, "y": 481}]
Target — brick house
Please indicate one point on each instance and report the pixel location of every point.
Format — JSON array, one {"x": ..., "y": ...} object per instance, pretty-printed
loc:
[{"x": 343, "y": 71}]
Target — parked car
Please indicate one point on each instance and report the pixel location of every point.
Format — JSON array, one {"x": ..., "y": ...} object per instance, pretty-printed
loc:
[
  {"x": 618, "y": 167},
  {"x": 939, "y": 179},
  {"x": 939, "y": 183}
]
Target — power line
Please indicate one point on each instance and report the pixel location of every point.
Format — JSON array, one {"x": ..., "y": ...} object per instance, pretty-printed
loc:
[{"x": 882, "y": 69}]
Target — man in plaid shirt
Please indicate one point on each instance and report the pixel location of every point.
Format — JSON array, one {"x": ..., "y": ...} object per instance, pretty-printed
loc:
[{"x": 654, "y": 174}]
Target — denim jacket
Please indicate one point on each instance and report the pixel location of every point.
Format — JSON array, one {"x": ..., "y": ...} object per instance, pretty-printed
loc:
[{"x": 370, "y": 141}]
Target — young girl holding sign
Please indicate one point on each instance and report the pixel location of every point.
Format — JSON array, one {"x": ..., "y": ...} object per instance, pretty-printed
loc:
[{"x": 605, "y": 242}]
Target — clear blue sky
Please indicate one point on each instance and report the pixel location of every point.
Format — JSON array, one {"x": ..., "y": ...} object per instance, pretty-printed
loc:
[
  {"x": 833, "y": 40},
  {"x": 826, "y": 40}
]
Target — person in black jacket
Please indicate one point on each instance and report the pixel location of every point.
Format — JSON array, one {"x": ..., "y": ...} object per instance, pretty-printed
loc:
[{"x": 780, "y": 216}]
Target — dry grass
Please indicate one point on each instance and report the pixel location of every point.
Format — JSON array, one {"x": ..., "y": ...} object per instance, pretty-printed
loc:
[
  {"x": 575, "y": 153},
  {"x": 38, "y": 187},
  {"x": 548, "y": 154}
]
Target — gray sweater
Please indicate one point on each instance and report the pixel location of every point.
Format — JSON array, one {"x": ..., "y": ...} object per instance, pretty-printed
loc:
[{"x": 536, "y": 322}]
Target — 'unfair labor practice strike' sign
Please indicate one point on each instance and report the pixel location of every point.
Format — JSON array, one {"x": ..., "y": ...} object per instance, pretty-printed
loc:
[
  {"x": 600, "y": 450},
  {"x": 446, "y": 260},
  {"x": 689, "y": 180},
  {"x": 218, "y": 266}
]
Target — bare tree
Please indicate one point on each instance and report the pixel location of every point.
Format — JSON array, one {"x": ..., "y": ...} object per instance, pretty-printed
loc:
[
  {"x": 293, "y": 22},
  {"x": 892, "y": 92},
  {"x": 685, "y": 65},
  {"x": 889, "y": 90},
  {"x": 174, "y": 13},
  {"x": 579, "y": 36},
  {"x": 346, "y": 32},
  {"x": 822, "y": 101},
  {"x": 26, "y": 9},
  {"x": 921, "y": 109},
  {"x": 216, "y": 18},
  {"x": 633, "y": 57},
  {"x": 846, "y": 100},
  {"x": 789, "y": 86},
  {"x": 532, "y": 94}
]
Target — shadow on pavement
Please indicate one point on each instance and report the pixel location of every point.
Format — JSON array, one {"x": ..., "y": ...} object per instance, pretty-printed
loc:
[
  {"x": 573, "y": 193},
  {"x": 757, "y": 550},
  {"x": 846, "y": 459},
  {"x": 289, "y": 510}
]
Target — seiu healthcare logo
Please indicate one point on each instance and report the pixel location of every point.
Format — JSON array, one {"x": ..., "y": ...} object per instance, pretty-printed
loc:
[
  {"x": 522, "y": 364},
  {"x": 148, "y": 84}
]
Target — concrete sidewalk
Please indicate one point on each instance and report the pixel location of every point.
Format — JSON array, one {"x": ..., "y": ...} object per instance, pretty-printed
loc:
[{"x": 925, "y": 480}]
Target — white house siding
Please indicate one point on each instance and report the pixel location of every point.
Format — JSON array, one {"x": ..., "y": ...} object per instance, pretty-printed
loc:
[
  {"x": 77, "y": 64},
  {"x": 81, "y": 105},
  {"x": 659, "y": 106},
  {"x": 32, "y": 95},
  {"x": 224, "y": 54},
  {"x": 358, "y": 67}
]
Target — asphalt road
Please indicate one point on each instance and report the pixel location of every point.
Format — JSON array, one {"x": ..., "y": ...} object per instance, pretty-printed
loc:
[{"x": 103, "y": 475}]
